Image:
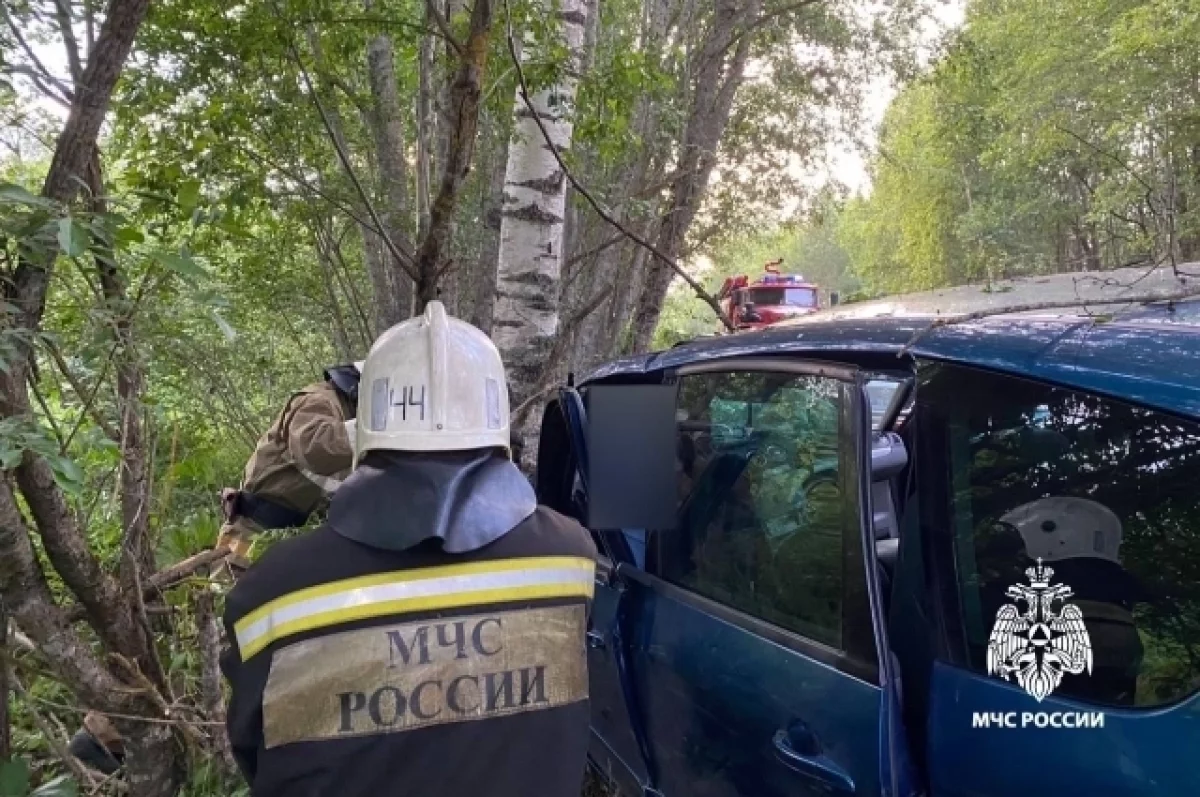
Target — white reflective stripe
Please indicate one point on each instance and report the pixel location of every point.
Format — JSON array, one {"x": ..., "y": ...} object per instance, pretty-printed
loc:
[
  {"x": 409, "y": 594},
  {"x": 326, "y": 483}
]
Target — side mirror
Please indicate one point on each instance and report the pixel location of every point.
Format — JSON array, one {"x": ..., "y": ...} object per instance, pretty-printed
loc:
[{"x": 835, "y": 298}]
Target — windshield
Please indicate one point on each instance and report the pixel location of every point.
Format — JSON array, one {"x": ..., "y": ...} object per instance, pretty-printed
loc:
[{"x": 796, "y": 297}]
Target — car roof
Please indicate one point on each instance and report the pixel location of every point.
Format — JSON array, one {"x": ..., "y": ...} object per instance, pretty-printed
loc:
[{"x": 1144, "y": 351}]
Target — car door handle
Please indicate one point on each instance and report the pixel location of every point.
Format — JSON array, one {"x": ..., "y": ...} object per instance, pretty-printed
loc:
[
  {"x": 812, "y": 762},
  {"x": 596, "y": 641}
]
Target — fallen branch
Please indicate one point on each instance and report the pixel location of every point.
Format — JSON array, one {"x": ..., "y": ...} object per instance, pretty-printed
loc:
[
  {"x": 130, "y": 717},
  {"x": 583, "y": 192},
  {"x": 168, "y": 577},
  {"x": 1033, "y": 307}
]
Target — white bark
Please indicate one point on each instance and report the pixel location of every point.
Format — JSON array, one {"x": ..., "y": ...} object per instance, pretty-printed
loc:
[{"x": 529, "y": 266}]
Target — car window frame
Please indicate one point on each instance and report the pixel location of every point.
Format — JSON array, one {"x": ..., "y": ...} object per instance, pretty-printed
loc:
[
  {"x": 939, "y": 529},
  {"x": 859, "y": 654}
]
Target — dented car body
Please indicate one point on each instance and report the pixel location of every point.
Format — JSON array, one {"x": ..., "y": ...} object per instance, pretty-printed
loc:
[{"x": 870, "y": 554}]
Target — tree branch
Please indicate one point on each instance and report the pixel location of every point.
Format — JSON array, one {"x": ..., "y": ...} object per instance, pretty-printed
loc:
[
  {"x": 291, "y": 174},
  {"x": 41, "y": 400},
  {"x": 29, "y": 603},
  {"x": 1031, "y": 307},
  {"x": 546, "y": 381},
  {"x": 167, "y": 577},
  {"x": 1111, "y": 156},
  {"x": 768, "y": 17},
  {"x": 77, "y": 140},
  {"x": 67, "y": 548},
  {"x": 82, "y": 775},
  {"x": 583, "y": 192},
  {"x": 65, "y": 95},
  {"x": 443, "y": 25},
  {"x": 595, "y": 250},
  {"x": 344, "y": 158},
  {"x": 462, "y": 115},
  {"x": 62, "y": 12}
]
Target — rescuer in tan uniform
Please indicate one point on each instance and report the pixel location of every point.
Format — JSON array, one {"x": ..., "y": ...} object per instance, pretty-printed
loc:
[
  {"x": 295, "y": 467},
  {"x": 297, "y": 464}
]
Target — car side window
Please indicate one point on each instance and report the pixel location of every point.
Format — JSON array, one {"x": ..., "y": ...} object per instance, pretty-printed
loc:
[
  {"x": 762, "y": 498},
  {"x": 1105, "y": 495}
]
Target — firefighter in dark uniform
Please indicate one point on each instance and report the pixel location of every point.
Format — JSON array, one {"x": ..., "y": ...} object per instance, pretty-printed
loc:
[{"x": 429, "y": 638}]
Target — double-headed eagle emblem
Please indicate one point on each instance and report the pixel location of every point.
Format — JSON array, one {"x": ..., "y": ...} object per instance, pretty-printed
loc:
[{"x": 1040, "y": 644}]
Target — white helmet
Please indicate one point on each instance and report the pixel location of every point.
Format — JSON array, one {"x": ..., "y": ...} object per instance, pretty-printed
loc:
[
  {"x": 1067, "y": 528},
  {"x": 432, "y": 383}
]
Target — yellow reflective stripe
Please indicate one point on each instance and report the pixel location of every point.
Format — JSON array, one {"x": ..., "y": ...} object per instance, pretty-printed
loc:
[
  {"x": 426, "y": 589},
  {"x": 397, "y": 576}
]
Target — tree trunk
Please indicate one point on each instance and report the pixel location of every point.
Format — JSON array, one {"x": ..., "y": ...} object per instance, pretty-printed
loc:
[
  {"x": 208, "y": 629},
  {"x": 600, "y": 335},
  {"x": 718, "y": 72},
  {"x": 153, "y": 762},
  {"x": 77, "y": 141},
  {"x": 483, "y": 275},
  {"x": 134, "y": 479},
  {"x": 387, "y": 127},
  {"x": 153, "y": 759},
  {"x": 445, "y": 118},
  {"x": 425, "y": 126},
  {"x": 387, "y": 305},
  {"x": 529, "y": 267},
  {"x": 5, "y": 725},
  {"x": 340, "y": 331},
  {"x": 463, "y": 107}
]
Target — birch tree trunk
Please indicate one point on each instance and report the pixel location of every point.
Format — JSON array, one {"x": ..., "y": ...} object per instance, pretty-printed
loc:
[{"x": 529, "y": 266}]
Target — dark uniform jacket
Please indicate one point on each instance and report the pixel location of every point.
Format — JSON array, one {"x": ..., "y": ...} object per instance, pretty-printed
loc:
[{"x": 415, "y": 673}]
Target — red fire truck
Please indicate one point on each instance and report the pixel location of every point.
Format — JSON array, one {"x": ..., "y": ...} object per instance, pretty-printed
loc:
[{"x": 772, "y": 298}]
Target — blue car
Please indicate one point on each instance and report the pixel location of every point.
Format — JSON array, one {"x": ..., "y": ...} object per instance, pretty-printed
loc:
[{"x": 874, "y": 552}]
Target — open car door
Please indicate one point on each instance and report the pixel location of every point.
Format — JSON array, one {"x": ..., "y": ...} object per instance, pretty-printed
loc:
[
  {"x": 619, "y": 745},
  {"x": 746, "y": 643}
]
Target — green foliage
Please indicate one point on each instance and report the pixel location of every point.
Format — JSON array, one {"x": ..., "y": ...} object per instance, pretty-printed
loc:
[
  {"x": 15, "y": 781},
  {"x": 18, "y": 435},
  {"x": 1051, "y": 137}
]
